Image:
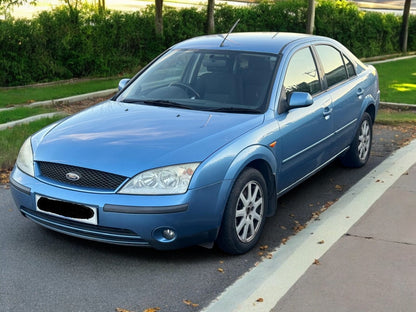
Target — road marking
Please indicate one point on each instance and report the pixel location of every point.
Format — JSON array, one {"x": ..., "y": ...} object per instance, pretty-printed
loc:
[{"x": 272, "y": 278}]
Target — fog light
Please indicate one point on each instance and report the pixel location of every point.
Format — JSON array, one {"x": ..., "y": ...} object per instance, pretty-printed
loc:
[{"x": 169, "y": 234}]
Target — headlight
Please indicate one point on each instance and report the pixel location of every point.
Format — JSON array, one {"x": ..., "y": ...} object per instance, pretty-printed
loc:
[
  {"x": 161, "y": 181},
  {"x": 25, "y": 158}
]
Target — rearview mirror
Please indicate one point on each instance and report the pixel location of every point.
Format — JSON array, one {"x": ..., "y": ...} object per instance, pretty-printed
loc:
[
  {"x": 123, "y": 83},
  {"x": 300, "y": 99}
]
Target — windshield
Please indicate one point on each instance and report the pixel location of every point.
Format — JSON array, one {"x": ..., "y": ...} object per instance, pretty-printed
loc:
[{"x": 227, "y": 81}]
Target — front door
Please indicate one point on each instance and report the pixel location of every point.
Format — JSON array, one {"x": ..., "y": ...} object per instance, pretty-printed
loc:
[{"x": 305, "y": 133}]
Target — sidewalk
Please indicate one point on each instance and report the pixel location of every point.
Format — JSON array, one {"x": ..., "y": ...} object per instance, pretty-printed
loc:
[
  {"x": 372, "y": 267},
  {"x": 359, "y": 256}
]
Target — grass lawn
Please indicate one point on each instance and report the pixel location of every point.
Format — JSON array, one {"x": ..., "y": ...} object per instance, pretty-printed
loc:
[
  {"x": 12, "y": 139},
  {"x": 30, "y": 94},
  {"x": 23, "y": 112},
  {"x": 398, "y": 81},
  {"x": 394, "y": 117}
]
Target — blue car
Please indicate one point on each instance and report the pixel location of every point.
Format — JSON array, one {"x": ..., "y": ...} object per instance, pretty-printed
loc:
[{"x": 197, "y": 147}]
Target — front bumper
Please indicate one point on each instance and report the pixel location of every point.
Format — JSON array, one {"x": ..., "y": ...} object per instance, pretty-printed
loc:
[{"x": 134, "y": 220}]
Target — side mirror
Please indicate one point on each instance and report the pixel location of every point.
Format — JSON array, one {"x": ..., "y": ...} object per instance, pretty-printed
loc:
[
  {"x": 123, "y": 83},
  {"x": 300, "y": 99}
]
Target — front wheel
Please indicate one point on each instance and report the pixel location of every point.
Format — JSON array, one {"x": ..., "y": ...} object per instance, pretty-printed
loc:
[
  {"x": 359, "y": 152},
  {"x": 244, "y": 214}
]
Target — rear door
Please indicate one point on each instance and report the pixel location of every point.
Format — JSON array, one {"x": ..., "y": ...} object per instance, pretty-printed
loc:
[{"x": 345, "y": 90}]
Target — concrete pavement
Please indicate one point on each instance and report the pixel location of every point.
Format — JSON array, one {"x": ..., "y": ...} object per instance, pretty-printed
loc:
[
  {"x": 359, "y": 255},
  {"x": 372, "y": 267}
]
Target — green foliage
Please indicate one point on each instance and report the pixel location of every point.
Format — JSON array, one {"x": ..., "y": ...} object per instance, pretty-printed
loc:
[
  {"x": 364, "y": 33},
  {"x": 12, "y": 139},
  {"x": 78, "y": 41},
  {"x": 23, "y": 112}
]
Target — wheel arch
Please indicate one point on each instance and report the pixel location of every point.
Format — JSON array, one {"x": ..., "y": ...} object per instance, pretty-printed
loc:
[
  {"x": 371, "y": 110},
  {"x": 262, "y": 159}
]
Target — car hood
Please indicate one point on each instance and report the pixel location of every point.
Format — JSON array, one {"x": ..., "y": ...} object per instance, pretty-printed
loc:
[{"x": 127, "y": 138}]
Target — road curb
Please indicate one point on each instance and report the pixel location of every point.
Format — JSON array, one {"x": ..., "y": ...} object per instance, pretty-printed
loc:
[
  {"x": 67, "y": 100},
  {"x": 397, "y": 105},
  {"x": 27, "y": 120},
  {"x": 75, "y": 98},
  {"x": 261, "y": 288}
]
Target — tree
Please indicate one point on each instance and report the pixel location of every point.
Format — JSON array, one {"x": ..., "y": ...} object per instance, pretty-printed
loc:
[
  {"x": 210, "y": 17},
  {"x": 6, "y": 5},
  {"x": 405, "y": 25},
  {"x": 101, "y": 6},
  {"x": 159, "y": 17},
  {"x": 311, "y": 17},
  {"x": 73, "y": 10}
]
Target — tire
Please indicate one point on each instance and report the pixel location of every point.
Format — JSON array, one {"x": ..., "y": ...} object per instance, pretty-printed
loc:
[
  {"x": 360, "y": 148},
  {"x": 244, "y": 214}
]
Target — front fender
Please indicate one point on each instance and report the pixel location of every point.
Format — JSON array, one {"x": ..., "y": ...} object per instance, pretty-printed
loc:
[
  {"x": 251, "y": 156},
  {"x": 248, "y": 155}
]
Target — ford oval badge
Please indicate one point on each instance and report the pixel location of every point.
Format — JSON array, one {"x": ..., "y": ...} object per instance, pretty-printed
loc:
[{"x": 71, "y": 176}]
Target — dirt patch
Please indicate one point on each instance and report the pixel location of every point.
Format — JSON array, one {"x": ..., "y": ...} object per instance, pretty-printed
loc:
[
  {"x": 4, "y": 176},
  {"x": 75, "y": 107}
]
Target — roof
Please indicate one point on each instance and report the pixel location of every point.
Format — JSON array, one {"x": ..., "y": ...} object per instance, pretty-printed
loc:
[{"x": 268, "y": 42}]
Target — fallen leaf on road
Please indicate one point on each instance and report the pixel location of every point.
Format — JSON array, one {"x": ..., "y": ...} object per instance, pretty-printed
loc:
[
  {"x": 152, "y": 309},
  {"x": 122, "y": 310},
  {"x": 260, "y": 300},
  {"x": 264, "y": 247},
  {"x": 190, "y": 303},
  {"x": 298, "y": 227},
  {"x": 316, "y": 262},
  {"x": 321, "y": 242},
  {"x": 220, "y": 270}
]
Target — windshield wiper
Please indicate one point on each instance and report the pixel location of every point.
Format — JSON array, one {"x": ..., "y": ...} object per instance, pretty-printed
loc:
[
  {"x": 237, "y": 110},
  {"x": 164, "y": 103}
]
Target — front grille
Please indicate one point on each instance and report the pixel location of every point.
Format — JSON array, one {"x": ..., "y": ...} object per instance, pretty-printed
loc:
[{"x": 87, "y": 178}]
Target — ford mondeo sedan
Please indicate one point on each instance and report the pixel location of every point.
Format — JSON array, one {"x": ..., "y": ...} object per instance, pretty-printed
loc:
[{"x": 197, "y": 147}]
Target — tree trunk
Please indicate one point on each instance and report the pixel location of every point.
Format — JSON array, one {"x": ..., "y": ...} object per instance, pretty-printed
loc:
[
  {"x": 159, "y": 18},
  {"x": 210, "y": 17},
  {"x": 405, "y": 25},
  {"x": 101, "y": 6},
  {"x": 311, "y": 17}
]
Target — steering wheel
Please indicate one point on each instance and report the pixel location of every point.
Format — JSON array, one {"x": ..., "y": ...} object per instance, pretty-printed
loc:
[{"x": 186, "y": 88}]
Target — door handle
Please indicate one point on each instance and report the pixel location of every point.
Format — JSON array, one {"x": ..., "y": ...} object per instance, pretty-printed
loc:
[
  {"x": 360, "y": 91},
  {"x": 327, "y": 112}
]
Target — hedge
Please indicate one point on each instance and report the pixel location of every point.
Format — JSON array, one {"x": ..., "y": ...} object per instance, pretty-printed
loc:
[{"x": 64, "y": 43}]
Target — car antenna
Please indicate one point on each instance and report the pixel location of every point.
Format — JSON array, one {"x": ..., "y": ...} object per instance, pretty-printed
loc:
[{"x": 231, "y": 30}]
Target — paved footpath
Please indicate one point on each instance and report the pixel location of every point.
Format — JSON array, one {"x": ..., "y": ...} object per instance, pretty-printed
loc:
[
  {"x": 359, "y": 255},
  {"x": 372, "y": 267}
]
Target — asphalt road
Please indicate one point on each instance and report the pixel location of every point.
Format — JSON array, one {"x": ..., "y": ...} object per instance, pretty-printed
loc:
[{"x": 41, "y": 270}]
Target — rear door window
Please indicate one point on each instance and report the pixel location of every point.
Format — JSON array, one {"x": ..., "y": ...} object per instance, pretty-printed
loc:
[{"x": 332, "y": 64}]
